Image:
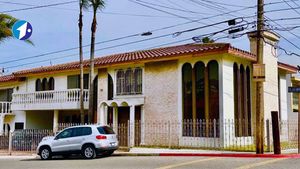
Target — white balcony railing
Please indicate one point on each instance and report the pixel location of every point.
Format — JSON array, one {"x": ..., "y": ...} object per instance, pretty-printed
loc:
[
  {"x": 5, "y": 107},
  {"x": 49, "y": 100}
]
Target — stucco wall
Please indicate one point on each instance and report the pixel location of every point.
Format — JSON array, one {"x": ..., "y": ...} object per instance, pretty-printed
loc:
[
  {"x": 102, "y": 85},
  {"x": 161, "y": 91},
  {"x": 283, "y": 96}
]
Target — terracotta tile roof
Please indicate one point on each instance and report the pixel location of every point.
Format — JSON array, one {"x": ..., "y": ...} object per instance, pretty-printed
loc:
[
  {"x": 287, "y": 67},
  {"x": 144, "y": 55},
  {"x": 7, "y": 78}
]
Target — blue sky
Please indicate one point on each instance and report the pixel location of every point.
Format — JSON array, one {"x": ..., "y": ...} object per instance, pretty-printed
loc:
[{"x": 55, "y": 28}]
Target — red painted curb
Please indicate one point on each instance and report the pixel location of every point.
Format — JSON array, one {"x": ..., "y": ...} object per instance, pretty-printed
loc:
[{"x": 233, "y": 155}]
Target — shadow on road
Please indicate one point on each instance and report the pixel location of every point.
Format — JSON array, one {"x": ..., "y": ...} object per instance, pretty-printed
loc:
[{"x": 60, "y": 158}]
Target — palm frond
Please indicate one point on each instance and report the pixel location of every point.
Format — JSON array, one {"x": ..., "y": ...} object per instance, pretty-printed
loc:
[{"x": 97, "y": 4}]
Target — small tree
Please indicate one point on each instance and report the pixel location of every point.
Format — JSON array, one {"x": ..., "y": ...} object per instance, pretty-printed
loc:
[{"x": 6, "y": 24}]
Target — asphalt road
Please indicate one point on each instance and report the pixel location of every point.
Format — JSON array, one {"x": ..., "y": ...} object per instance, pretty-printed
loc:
[{"x": 122, "y": 162}]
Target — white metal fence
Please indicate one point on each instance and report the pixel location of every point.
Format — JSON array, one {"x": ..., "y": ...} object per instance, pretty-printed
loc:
[{"x": 200, "y": 134}]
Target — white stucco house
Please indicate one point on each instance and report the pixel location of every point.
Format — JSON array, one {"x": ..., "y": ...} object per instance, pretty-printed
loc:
[{"x": 177, "y": 83}]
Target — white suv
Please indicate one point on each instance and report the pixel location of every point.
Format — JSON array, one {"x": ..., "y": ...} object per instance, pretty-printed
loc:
[{"x": 87, "y": 140}]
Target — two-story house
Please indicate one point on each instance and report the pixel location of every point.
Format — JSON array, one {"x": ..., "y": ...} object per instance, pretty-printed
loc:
[{"x": 175, "y": 84}]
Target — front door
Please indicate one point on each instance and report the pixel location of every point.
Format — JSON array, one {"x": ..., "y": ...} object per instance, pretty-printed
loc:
[{"x": 123, "y": 118}]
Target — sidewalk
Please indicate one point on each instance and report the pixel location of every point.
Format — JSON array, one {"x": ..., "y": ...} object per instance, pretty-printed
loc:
[{"x": 178, "y": 152}]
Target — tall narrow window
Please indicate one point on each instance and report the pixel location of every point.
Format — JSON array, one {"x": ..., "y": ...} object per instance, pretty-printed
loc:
[
  {"x": 51, "y": 83},
  {"x": 38, "y": 85},
  {"x": 243, "y": 99},
  {"x": 200, "y": 93},
  {"x": 187, "y": 91},
  {"x": 110, "y": 89},
  {"x": 213, "y": 83},
  {"x": 128, "y": 81},
  {"x": 236, "y": 97},
  {"x": 249, "y": 100},
  {"x": 45, "y": 85},
  {"x": 120, "y": 82},
  {"x": 138, "y": 80}
]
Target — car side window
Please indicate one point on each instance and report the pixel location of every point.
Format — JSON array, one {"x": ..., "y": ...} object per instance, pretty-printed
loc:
[
  {"x": 82, "y": 131},
  {"x": 65, "y": 134}
]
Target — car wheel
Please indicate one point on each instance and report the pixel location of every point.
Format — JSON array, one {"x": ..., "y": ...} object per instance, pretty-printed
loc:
[
  {"x": 88, "y": 152},
  {"x": 45, "y": 153}
]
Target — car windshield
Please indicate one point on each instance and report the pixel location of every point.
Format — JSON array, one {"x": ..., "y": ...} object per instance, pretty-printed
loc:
[{"x": 105, "y": 130}]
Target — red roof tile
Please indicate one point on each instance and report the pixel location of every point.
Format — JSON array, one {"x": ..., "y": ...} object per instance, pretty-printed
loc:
[
  {"x": 287, "y": 67},
  {"x": 144, "y": 55},
  {"x": 7, "y": 78}
]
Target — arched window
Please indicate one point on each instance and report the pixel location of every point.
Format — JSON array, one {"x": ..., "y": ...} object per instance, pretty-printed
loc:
[
  {"x": 199, "y": 69},
  {"x": 138, "y": 80},
  {"x": 110, "y": 87},
  {"x": 242, "y": 101},
  {"x": 236, "y": 90},
  {"x": 128, "y": 81},
  {"x": 120, "y": 82},
  {"x": 51, "y": 83},
  {"x": 187, "y": 91},
  {"x": 213, "y": 87},
  {"x": 45, "y": 85},
  {"x": 38, "y": 85}
]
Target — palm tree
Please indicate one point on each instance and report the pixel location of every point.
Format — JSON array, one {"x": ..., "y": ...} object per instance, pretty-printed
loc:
[
  {"x": 96, "y": 5},
  {"x": 83, "y": 4},
  {"x": 6, "y": 24}
]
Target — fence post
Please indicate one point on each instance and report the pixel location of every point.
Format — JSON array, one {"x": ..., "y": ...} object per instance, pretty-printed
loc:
[
  {"x": 215, "y": 132},
  {"x": 275, "y": 131},
  {"x": 10, "y": 143},
  {"x": 268, "y": 136},
  {"x": 128, "y": 134}
]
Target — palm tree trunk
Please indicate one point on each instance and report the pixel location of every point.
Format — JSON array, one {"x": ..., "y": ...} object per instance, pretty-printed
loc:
[
  {"x": 80, "y": 24},
  {"x": 91, "y": 93}
]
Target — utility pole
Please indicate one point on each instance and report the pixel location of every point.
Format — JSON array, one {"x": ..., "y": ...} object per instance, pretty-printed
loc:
[{"x": 259, "y": 84}]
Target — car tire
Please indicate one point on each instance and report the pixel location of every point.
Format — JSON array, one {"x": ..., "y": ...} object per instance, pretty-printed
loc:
[
  {"x": 45, "y": 153},
  {"x": 88, "y": 152}
]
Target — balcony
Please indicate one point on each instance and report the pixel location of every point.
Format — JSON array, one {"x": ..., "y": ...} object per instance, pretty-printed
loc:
[
  {"x": 49, "y": 100},
  {"x": 5, "y": 108}
]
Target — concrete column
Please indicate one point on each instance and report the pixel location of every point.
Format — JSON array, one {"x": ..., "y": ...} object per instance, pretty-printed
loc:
[
  {"x": 142, "y": 126},
  {"x": 1, "y": 124},
  {"x": 102, "y": 114},
  {"x": 115, "y": 119},
  {"x": 132, "y": 125},
  {"x": 55, "y": 121}
]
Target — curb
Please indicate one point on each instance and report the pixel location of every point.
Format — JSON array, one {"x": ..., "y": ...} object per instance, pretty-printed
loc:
[{"x": 211, "y": 155}]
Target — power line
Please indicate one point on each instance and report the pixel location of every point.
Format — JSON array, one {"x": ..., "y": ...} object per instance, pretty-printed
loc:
[
  {"x": 102, "y": 12},
  {"x": 114, "y": 46},
  {"x": 177, "y": 9},
  {"x": 159, "y": 29},
  {"x": 36, "y": 7},
  {"x": 292, "y": 7},
  {"x": 285, "y": 37}
]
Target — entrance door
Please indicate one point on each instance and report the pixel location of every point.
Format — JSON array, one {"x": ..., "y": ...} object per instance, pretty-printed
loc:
[
  {"x": 138, "y": 125},
  {"x": 123, "y": 118}
]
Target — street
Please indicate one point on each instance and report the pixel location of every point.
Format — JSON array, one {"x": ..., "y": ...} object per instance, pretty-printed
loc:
[{"x": 149, "y": 162}]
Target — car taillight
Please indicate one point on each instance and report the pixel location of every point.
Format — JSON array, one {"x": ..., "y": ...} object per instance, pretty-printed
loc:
[{"x": 101, "y": 137}]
